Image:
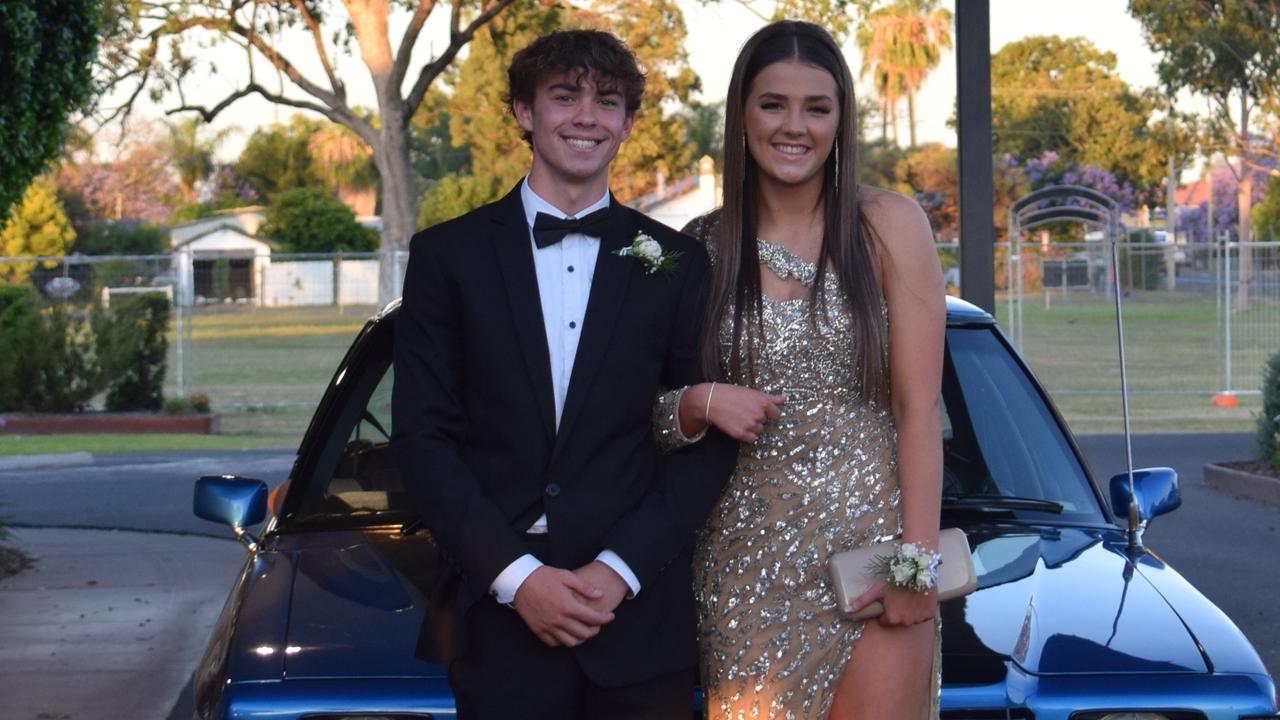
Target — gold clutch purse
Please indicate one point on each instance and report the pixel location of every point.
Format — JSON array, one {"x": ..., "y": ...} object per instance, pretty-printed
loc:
[{"x": 851, "y": 574}]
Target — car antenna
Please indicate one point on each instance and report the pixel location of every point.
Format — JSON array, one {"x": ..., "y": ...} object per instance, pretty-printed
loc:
[{"x": 1135, "y": 526}]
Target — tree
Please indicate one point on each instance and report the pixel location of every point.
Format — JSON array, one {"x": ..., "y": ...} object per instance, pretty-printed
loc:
[
  {"x": 704, "y": 129},
  {"x": 278, "y": 157},
  {"x": 310, "y": 219},
  {"x": 46, "y": 50},
  {"x": 192, "y": 156},
  {"x": 148, "y": 48},
  {"x": 907, "y": 41},
  {"x": 499, "y": 156},
  {"x": 37, "y": 227},
  {"x": 124, "y": 237},
  {"x": 834, "y": 15},
  {"x": 137, "y": 186},
  {"x": 930, "y": 173},
  {"x": 1227, "y": 51},
  {"x": 1063, "y": 95},
  {"x": 875, "y": 40},
  {"x": 1266, "y": 214},
  {"x": 345, "y": 164}
]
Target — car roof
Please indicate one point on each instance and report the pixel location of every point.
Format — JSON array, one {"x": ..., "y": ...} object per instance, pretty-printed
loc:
[{"x": 959, "y": 312}]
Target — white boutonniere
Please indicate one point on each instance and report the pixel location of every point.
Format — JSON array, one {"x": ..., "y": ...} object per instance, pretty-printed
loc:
[{"x": 649, "y": 253}]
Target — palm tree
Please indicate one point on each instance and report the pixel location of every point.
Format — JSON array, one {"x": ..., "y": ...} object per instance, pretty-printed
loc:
[
  {"x": 192, "y": 156},
  {"x": 902, "y": 43},
  {"x": 875, "y": 39},
  {"x": 345, "y": 164}
]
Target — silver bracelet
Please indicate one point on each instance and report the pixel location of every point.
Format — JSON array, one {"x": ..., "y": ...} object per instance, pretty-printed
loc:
[{"x": 706, "y": 414}]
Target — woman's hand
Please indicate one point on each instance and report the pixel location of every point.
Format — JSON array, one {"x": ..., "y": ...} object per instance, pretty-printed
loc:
[
  {"x": 739, "y": 412},
  {"x": 901, "y": 606}
]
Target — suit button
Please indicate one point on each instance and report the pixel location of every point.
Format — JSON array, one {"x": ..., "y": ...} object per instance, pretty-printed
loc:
[{"x": 553, "y": 490}]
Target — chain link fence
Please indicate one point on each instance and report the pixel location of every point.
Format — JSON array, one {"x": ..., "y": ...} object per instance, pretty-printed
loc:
[
  {"x": 261, "y": 334},
  {"x": 1200, "y": 325}
]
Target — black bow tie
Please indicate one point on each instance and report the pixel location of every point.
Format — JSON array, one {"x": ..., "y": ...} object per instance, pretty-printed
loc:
[{"x": 549, "y": 229}]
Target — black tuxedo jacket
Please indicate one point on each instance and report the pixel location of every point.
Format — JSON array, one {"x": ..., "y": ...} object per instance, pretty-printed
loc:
[{"x": 474, "y": 418}]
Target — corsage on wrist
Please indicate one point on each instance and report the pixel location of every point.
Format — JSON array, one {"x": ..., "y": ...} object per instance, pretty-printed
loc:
[{"x": 910, "y": 567}]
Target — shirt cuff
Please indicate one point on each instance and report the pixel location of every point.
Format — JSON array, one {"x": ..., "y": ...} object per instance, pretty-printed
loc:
[
  {"x": 504, "y": 586},
  {"x": 618, "y": 565}
]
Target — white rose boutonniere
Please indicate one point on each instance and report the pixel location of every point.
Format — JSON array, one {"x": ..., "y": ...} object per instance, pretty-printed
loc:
[{"x": 649, "y": 252}]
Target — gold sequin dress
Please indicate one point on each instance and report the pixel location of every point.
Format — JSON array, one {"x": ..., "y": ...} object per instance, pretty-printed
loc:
[{"x": 820, "y": 480}]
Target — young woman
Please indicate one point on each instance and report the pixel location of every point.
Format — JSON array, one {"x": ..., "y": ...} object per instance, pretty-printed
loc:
[{"x": 825, "y": 324}]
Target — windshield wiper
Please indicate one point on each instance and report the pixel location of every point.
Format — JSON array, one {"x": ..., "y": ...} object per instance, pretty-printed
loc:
[{"x": 1000, "y": 502}]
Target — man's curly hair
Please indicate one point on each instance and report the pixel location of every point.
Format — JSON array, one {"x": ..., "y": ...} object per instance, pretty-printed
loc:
[{"x": 605, "y": 58}]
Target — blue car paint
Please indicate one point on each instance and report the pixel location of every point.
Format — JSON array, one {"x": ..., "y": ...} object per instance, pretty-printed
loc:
[{"x": 1064, "y": 619}]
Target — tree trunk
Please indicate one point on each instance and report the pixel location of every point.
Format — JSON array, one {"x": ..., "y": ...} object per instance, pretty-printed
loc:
[
  {"x": 884, "y": 120},
  {"x": 399, "y": 207},
  {"x": 893, "y": 122},
  {"x": 1171, "y": 228},
  {"x": 1244, "y": 204},
  {"x": 911, "y": 116}
]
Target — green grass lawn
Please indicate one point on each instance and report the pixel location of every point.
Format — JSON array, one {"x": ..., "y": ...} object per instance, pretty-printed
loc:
[
  {"x": 266, "y": 368},
  {"x": 1171, "y": 345},
  {"x": 119, "y": 443}
]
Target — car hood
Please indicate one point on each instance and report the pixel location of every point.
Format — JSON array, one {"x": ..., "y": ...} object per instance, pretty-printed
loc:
[
  {"x": 356, "y": 607},
  {"x": 1061, "y": 602}
]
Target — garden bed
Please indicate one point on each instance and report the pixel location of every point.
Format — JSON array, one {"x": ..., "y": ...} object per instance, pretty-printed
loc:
[
  {"x": 1246, "y": 478},
  {"x": 107, "y": 422}
]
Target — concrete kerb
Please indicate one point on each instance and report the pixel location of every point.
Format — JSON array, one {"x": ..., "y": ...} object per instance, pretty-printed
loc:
[
  {"x": 1243, "y": 484},
  {"x": 31, "y": 462}
]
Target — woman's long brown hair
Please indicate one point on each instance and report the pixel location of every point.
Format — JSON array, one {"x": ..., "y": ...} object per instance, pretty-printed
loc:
[{"x": 848, "y": 241}]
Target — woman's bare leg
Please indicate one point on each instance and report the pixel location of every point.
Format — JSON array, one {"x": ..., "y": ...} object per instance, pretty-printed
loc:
[{"x": 889, "y": 676}]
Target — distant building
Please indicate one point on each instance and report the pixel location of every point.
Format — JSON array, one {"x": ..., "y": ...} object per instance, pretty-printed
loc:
[
  {"x": 678, "y": 203},
  {"x": 221, "y": 258}
]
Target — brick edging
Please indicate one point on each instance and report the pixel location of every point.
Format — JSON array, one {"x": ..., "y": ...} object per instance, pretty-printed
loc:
[
  {"x": 101, "y": 422},
  {"x": 1242, "y": 484}
]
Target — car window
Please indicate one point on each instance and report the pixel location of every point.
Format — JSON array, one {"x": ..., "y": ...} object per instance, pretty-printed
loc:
[
  {"x": 999, "y": 436},
  {"x": 355, "y": 474}
]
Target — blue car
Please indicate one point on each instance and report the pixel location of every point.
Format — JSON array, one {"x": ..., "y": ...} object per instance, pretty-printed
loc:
[{"x": 331, "y": 615}]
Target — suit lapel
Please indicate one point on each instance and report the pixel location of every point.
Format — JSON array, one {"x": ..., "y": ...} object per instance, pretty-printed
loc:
[
  {"x": 608, "y": 290},
  {"x": 510, "y": 239}
]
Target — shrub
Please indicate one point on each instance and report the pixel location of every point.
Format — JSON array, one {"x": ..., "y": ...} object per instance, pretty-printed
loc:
[
  {"x": 1269, "y": 418},
  {"x": 47, "y": 365},
  {"x": 131, "y": 347},
  {"x": 122, "y": 237},
  {"x": 193, "y": 403},
  {"x": 309, "y": 219},
  {"x": 1142, "y": 265}
]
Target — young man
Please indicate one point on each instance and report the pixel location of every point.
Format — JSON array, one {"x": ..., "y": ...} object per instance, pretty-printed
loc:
[{"x": 529, "y": 352}]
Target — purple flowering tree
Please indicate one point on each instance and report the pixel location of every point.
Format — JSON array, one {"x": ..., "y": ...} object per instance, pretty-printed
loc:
[{"x": 1226, "y": 210}]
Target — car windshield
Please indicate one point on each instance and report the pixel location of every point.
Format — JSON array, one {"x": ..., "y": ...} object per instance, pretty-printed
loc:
[
  {"x": 1005, "y": 454},
  {"x": 354, "y": 478},
  {"x": 1004, "y": 450}
]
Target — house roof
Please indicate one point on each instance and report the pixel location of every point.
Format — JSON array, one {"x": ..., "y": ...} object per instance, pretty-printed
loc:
[{"x": 229, "y": 229}]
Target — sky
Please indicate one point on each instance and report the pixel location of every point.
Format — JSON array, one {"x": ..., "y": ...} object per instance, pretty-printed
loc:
[{"x": 717, "y": 31}]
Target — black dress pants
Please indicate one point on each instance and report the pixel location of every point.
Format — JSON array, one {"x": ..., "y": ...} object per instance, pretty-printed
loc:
[{"x": 508, "y": 673}]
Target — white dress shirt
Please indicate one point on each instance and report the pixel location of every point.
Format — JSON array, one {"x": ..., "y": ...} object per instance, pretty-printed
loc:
[{"x": 564, "y": 272}]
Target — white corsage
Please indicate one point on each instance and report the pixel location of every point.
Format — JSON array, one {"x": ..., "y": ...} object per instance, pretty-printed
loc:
[
  {"x": 910, "y": 567},
  {"x": 649, "y": 253}
]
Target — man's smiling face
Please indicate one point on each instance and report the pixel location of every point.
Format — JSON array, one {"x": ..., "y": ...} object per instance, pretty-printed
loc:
[{"x": 576, "y": 127}]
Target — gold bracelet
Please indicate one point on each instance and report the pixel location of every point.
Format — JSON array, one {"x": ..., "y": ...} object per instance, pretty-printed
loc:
[{"x": 706, "y": 414}]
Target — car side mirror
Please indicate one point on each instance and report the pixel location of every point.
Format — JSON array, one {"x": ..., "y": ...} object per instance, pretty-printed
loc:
[
  {"x": 231, "y": 500},
  {"x": 1156, "y": 490}
]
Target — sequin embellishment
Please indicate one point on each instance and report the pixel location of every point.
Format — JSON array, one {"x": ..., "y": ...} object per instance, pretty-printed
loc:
[{"x": 820, "y": 480}]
